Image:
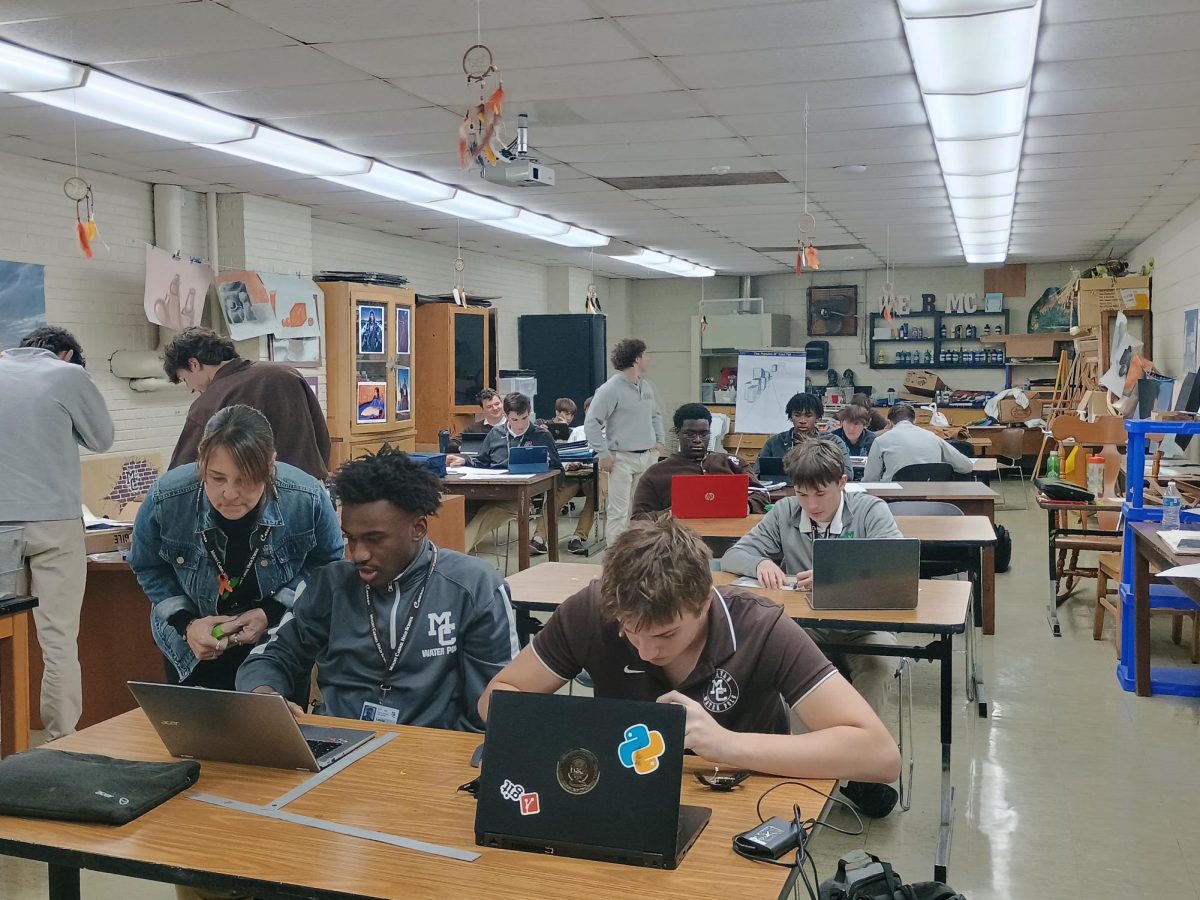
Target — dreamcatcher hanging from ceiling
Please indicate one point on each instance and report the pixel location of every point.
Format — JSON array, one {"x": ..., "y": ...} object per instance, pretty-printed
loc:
[
  {"x": 808, "y": 258},
  {"x": 85, "y": 213},
  {"x": 480, "y": 134}
]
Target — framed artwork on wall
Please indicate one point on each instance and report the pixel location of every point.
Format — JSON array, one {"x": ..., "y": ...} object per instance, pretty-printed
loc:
[{"x": 833, "y": 310}]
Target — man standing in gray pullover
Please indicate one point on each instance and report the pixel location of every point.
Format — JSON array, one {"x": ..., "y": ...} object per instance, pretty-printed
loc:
[
  {"x": 50, "y": 407},
  {"x": 401, "y": 631},
  {"x": 624, "y": 426}
]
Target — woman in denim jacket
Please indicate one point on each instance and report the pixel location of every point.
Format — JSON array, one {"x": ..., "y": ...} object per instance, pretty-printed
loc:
[{"x": 226, "y": 542}]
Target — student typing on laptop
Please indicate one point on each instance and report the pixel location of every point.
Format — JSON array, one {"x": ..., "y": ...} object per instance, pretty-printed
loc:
[
  {"x": 653, "y": 627},
  {"x": 401, "y": 631},
  {"x": 805, "y": 411},
  {"x": 781, "y": 545},
  {"x": 693, "y": 424},
  {"x": 517, "y": 430}
]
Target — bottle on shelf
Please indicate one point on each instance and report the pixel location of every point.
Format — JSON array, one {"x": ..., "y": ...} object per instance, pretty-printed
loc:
[
  {"x": 928, "y": 357},
  {"x": 987, "y": 329},
  {"x": 1171, "y": 504},
  {"x": 943, "y": 331},
  {"x": 1095, "y": 475},
  {"x": 958, "y": 332},
  {"x": 1052, "y": 464}
]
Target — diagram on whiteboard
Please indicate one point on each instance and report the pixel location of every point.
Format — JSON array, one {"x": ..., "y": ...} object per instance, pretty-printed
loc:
[{"x": 766, "y": 381}]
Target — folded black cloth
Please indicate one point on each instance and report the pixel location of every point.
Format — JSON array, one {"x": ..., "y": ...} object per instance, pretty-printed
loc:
[{"x": 86, "y": 787}]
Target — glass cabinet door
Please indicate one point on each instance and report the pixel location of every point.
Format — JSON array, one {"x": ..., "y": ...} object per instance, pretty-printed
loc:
[
  {"x": 469, "y": 358},
  {"x": 403, "y": 363},
  {"x": 371, "y": 362}
]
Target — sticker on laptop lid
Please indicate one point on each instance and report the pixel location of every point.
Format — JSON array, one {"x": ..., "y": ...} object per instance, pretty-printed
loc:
[
  {"x": 578, "y": 771},
  {"x": 529, "y": 804},
  {"x": 641, "y": 749},
  {"x": 510, "y": 791}
]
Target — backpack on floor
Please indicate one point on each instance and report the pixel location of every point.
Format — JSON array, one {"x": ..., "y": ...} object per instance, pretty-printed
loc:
[
  {"x": 1003, "y": 548},
  {"x": 864, "y": 876}
]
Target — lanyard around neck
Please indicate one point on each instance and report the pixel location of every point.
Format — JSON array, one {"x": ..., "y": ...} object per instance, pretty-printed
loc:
[
  {"x": 225, "y": 584},
  {"x": 390, "y": 667}
]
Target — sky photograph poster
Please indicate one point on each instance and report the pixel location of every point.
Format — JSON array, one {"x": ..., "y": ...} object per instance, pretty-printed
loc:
[{"x": 22, "y": 301}]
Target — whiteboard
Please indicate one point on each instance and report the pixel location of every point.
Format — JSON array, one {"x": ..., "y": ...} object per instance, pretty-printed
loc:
[{"x": 766, "y": 381}]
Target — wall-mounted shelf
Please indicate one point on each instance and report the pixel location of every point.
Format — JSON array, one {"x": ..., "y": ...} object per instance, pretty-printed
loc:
[{"x": 940, "y": 320}]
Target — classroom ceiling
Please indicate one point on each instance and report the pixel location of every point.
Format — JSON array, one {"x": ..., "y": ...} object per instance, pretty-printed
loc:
[{"x": 632, "y": 88}]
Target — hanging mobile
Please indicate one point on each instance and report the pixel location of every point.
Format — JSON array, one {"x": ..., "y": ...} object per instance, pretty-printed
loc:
[
  {"x": 460, "y": 282},
  {"x": 479, "y": 142},
  {"x": 85, "y": 213}
]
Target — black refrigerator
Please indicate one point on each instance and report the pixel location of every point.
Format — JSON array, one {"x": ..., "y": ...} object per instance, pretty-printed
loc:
[{"x": 567, "y": 353}]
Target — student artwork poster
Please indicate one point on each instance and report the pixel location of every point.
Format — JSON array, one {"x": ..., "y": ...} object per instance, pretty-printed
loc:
[
  {"x": 372, "y": 403},
  {"x": 175, "y": 289},
  {"x": 403, "y": 393},
  {"x": 296, "y": 300},
  {"x": 246, "y": 305},
  {"x": 371, "y": 322},
  {"x": 765, "y": 383},
  {"x": 402, "y": 331}
]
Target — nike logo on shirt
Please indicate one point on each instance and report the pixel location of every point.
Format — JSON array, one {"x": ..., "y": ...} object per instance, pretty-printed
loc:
[{"x": 629, "y": 671}]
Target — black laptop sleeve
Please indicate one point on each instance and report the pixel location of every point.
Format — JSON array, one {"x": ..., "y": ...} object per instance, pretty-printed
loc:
[{"x": 85, "y": 787}]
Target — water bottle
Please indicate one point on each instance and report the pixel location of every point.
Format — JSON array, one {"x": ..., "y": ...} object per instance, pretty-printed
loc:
[
  {"x": 443, "y": 441},
  {"x": 1171, "y": 502},
  {"x": 1052, "y": 464},
  {"x": 1095, "y": 475}
]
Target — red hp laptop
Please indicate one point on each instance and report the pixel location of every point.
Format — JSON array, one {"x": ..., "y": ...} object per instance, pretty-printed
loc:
[{"x": 710, "y": 496}]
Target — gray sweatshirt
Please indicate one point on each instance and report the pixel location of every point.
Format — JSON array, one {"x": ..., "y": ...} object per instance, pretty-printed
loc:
[
  {"x": 49, "y": 408},
  {"x": 907, "y": 445},
  {"x": 623, "y": 416},
  {"x": 780, "y": 538},
  {"x": 463, "y": 634}
]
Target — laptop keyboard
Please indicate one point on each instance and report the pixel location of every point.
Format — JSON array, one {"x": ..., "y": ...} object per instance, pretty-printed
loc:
[{"x": 320, "y": 748}]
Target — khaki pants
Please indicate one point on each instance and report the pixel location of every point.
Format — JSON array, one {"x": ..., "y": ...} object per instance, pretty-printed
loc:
[
  {"x": 871, "y": 675},
  {"x": 574, "y": 487},
  {"x": 490, "y": 516},
  {"x": 623, "y": 480},
  {"x": 58, "y": 571}
]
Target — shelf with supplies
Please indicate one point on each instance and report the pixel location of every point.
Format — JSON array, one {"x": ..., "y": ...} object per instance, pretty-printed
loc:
[{"x": 945, "y": 335}]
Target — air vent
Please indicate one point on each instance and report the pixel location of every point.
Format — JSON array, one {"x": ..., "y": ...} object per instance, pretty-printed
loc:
[{"x": 660, "y": 182}]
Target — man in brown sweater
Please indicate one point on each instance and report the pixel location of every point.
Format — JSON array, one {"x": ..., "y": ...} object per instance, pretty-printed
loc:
[
  {"x": 693, "y": 425},
  {"x": 210, "y": 366}
]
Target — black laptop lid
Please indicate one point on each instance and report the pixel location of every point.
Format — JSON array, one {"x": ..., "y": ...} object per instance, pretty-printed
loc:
[
  {"x": 771, "y": 465},
  {"x": 594, "y": 772}
]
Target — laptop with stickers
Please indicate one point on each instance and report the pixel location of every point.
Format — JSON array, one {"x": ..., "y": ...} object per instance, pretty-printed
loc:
[{"x": 586, "y": 777}]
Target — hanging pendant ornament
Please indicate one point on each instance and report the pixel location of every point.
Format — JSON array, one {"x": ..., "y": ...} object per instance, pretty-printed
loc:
[
  {"x": 479, "y": 134},
  {"x": 460, "y": 282},
  {"x": 808, "y": 258},
  {"x": 592, "y": 303},
  {"x": 85, "y": 213}
]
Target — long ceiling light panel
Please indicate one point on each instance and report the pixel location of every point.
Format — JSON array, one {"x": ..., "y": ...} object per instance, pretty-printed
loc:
[
  {"x": 81, "y": 89},
  {"x": 974, "y": 64}
]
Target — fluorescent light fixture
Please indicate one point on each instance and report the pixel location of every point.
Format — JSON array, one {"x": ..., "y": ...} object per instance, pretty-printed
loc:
[
  {"x": 984, "y": 157},
  {"x": 976, "y": 259},
  {"x": 531, "y": 224},
  {"x": 646, "y": 257},
  {"x": 580, "y": 237},
  {"x": 466, "y": 205},
  {"x": 122, "y": 102},
  {"x": 982, "y": 207},
  {"x": 916, "y": 9},
  {"x": 976, "y": 226},
  {"x": 968, "y": 117},
  {"x": 975, "y": 186},
  {"x": 396, "y": 184},
  {"x": 27, "y": 70},
  {"x": 974, "y": 54},
  {"x": 296, "y": 154},
  {"x": 661, "y": 262}
]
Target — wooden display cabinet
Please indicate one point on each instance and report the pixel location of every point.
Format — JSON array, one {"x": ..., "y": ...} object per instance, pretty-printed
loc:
[
  {"x": 458, "y": 356},
  {"x": 371, "y": 344}
]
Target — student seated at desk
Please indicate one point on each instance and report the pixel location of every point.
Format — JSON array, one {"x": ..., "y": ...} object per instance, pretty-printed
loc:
[
  {"x": 653, "y": 627},
  {"x": 805, "y": 411},
  {"x": 355, "y": 618},
  {"x": 906, "y": 444},
  {"x": 878, "y": 423},
  {"x": 854, "y": 432},
  {"x": 517, "y": 430},
  {"x": 693, "y": 424},
  {"x": 782, "y": 544},
  {"x": 492, "y": 407}
]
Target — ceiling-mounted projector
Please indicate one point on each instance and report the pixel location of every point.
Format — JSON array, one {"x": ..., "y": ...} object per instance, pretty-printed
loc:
[{"x": 516, "y": 168}]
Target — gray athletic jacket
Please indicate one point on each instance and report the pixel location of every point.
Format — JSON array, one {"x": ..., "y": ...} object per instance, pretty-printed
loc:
[
  {"x": 464, "y": 633},
  {"x": 778, "y": 537}
]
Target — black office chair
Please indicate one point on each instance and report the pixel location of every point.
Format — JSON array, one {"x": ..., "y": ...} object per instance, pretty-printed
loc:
[
  {"x": 966, "y": 448},
  {"x": 937, "y": 561},
  {"x": 925, "y": 472}
]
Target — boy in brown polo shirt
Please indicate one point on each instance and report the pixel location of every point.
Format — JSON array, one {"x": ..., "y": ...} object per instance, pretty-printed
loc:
[{"x": 653, "y": 627}]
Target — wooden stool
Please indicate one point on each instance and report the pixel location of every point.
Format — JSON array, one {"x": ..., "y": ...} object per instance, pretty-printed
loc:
[{"x": 1109, "y": 567}]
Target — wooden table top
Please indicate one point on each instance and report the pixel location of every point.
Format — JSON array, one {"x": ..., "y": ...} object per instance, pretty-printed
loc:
[
  {"x": 941, "y": 605},
  {"x": 937, "y": 490},
  {"x": 454, "y": 479},
  {"x": 407, "y": 788},
  {"x": 966, "y": 531}
]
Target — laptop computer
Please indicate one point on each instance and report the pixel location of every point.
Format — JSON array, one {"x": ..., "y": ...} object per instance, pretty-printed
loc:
[
  {"x": 470, "y": 443},
  {"x": 771, "y": 467},
  {"x": 865, "y": 574},
  {"x": 230, "y": 726},
  {"x": 710, "y": 496},
  {"x": 586, "y": 777},
  {"x": 528, "y": 460}
]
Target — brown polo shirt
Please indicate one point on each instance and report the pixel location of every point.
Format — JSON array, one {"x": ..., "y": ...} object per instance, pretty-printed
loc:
[{"x": 754, "y": 656}]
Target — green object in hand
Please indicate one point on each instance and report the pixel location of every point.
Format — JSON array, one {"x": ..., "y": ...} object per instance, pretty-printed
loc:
[{"x": 218, "y": 632}]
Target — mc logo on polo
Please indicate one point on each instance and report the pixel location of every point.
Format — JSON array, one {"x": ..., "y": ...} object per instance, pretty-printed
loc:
[{"x": 641, "y": 749}]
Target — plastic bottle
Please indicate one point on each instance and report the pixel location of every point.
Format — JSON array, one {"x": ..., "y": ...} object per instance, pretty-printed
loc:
[
  {"x": 1052, "y": 464},
  {"x": 1095, "y": 475},
  {"x": 1171, "y": 503}
]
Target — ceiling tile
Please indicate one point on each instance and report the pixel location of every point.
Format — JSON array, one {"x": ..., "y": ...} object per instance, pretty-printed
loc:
[
  {"x": 345, "y": 97},
  {"x": 20, "y": 10},
  {"x": 230, "y": 71},
  {"x": 787, "y": 65},
  {"x": 1119, "y": 71},
  {"x": 892, "y": 115},
  {"x": 1111, "y": 100},
  {"x": 1119, "y": 37},
  {"x": 788, "y": 99}
]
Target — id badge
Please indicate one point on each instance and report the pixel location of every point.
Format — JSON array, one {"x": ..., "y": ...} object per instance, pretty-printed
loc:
[{"x": 377, "y": 712}]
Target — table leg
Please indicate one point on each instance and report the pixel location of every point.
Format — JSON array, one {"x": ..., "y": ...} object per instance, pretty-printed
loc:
[
  {"x": 550, "y": 511},
  {"x": 1141, "y": 620},
  {"x": 63, "y": 883},
  {"x": 988, "y": 589},
  {"x": 941, "y": 858},
  {"x": 523, "y": 528},
  {"x": 1052, "y": 604},
  {"x": 14, "y": 686}
]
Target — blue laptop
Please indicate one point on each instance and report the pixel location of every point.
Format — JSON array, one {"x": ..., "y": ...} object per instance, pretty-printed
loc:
[{"x": 528, "y": 460}]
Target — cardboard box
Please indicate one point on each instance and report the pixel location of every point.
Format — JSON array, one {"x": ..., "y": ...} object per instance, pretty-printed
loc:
[
  {"x": 1012, "y": 413},
  {"x": 107, "y": 541},
  {"x": 1098, "y": 295},
  {"x": 924, "y": 383}
]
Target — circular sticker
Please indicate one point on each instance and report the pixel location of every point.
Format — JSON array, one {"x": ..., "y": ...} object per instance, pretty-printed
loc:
[
  {"x": 578, "y": 771},
  {"x": 722, "y": 693}
]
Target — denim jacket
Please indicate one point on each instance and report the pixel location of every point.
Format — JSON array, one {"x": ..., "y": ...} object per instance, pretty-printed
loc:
[{"x": 171, "y": 564}]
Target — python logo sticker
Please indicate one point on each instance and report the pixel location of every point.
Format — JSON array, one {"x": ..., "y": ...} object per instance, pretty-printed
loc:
[{"x": 641, "y": 749}]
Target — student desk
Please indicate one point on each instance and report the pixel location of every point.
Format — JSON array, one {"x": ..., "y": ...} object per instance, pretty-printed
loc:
[
  {"x": 523, "y": 489},
  {"x": 407, "y": 787},
  {"x": 942, "y": 611},
  {"x": 1149, "y": 549},
  {"x": 14, "y": 673}
]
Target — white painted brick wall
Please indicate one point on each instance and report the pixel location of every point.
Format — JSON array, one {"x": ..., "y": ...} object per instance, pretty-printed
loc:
[{"x": 1176, "y": 251}]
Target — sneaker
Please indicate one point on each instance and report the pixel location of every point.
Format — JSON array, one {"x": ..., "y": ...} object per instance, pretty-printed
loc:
[
  {"x": 575, "y": 545},
  {"x": 874, "y": 801},
  {"x": 538, "y": 546}
]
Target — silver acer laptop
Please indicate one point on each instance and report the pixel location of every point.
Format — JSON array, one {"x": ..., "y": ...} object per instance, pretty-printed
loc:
[
  {"x": 230, "y": 726},
  {"x": 865, "y": 574}
]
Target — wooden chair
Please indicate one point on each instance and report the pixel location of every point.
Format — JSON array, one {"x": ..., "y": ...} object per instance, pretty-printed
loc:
[
  {"x": 1105, "y": 436},
  {"x": 1110, "y": 569}
]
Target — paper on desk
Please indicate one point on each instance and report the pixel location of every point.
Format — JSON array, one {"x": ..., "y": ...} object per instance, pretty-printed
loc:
[
  {"x": 770, "y": 486},
  {"x": 1181, "y": 541},
  {"x": 92, "y": 522},
  {"x": 1192, "y": 571},
  {"x": 789, "y": 584},
  {"x": 878, "y": 485}
]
